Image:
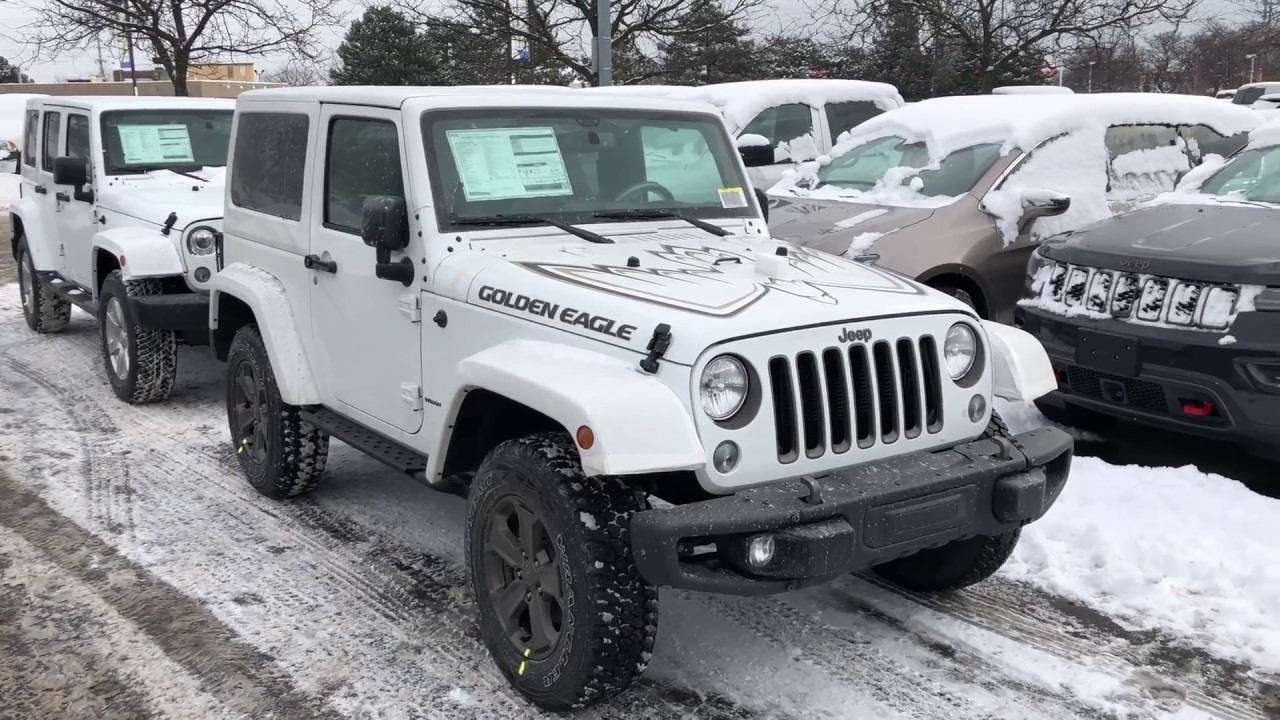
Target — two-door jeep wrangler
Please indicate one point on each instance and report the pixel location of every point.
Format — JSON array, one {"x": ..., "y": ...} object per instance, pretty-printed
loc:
[
  {"x": 121, "y": 215},
  {"x": 568, "y": 309}
]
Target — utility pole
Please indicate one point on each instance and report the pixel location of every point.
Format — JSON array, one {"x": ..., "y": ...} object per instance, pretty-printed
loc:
[
  {"x": 604, "y": 44},
  {"x": 102, "y": 64},
  {"x": 1252, "y": 57},
  {"x": 1091, "y": 63}
]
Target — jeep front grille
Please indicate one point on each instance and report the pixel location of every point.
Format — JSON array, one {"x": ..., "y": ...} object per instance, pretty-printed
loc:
[
  {"x": 856, "y": 396},
  {"x": 1142, "y": 298}
]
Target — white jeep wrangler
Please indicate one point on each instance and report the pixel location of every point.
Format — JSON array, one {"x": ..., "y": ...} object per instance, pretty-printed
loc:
[
  {"x": 567, "y": 308},
  {"x": 121, "y": 215}
]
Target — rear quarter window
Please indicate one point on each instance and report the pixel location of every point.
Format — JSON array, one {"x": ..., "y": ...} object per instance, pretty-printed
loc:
[
  {"x": 269, "y": 162},
  {"x": 29, "y": 138}
]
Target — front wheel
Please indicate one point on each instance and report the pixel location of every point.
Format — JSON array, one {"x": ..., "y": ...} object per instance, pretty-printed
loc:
[
  {"x": 141, "y": 363},
  {"x": 563, "y": 610},
  {"x": 953, "y": 566},
  {"x": 281, "y": 454}
]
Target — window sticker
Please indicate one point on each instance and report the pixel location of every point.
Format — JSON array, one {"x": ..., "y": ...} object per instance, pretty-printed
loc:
[
  {"x": 155, "y": 144},
  {"x": 732, "y": 197},
  {"x": 504, "y": 163}
]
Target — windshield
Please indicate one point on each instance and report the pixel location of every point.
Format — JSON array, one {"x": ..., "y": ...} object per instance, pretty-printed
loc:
[
  {"x": 867, "y": 165},
  {"x": 137, "y": 141},
  {"x": 569, "y": 164},
  {"x": 1252, "y": 175}
]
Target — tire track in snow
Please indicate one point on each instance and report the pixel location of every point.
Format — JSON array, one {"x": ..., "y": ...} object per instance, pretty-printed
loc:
[{"x": 401, "y": 587}]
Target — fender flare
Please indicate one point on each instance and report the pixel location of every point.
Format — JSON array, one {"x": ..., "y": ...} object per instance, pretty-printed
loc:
[
  {"x": 146, "y": 252},
  {"x": 33, "y": 229},
  {"x": 640, "y": 425},
  {"x": 265, "y": 296},
  {"x": 1021, "y": 367}
]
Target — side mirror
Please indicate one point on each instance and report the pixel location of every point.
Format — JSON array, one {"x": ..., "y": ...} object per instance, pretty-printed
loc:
[
  {"x": 384, "y": 223},
  {"x": 1043, "y": 203},
  {"x": 763, "y": 201},
  {"x": 384, "y": 226},
  {"x": 756, "y": 151},
  {"x": 70, "y": 170}
]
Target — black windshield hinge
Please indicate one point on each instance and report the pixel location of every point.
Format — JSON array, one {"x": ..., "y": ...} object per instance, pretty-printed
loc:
[{"x": 658, "y": 345}]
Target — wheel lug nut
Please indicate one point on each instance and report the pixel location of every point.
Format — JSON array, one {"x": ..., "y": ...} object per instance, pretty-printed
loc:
[{"x": 528, "y": 596}]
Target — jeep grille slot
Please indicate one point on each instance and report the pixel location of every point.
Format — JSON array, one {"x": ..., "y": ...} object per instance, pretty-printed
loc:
[
  {"x": 837, "y": 399},
  {"x": 811, "y": 411},
  {"x": 784, "y": 409},
  {"x": 886, "y": 391},
  {"x": 864, "y": 413},
  {"x": 908, "y": 374},
  {"x": 932, "y": 384}
]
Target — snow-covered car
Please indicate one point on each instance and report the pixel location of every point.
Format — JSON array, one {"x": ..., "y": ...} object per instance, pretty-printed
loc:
[
  {"x": 955, "y": 192},
  {"x": 1170, "y": 314},
  {"x": 778, "y": 123},
  {"x": 1227, "y": 94},
  {"x": 120, "y": 214},
  {"x": 1250, "y": 93},
  {"x": 634, "y": 386}
]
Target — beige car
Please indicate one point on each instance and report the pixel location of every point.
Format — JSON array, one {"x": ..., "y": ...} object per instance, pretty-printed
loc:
[{"x": 955, "y": 192}]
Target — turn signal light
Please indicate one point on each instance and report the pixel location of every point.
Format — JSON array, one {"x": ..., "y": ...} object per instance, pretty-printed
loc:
[{"x": 586, "y": 437}]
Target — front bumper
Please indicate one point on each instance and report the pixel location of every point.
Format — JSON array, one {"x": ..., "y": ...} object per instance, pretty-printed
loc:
[
  {"x": 186, "y": 314},
  {"x": 1175, "y": 379},
  {"x": 826, "y": 525}
]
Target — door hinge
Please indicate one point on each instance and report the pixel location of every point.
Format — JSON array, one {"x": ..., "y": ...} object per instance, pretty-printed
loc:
[
  {"x": 411, "y": 393},
  {"x": 411, "y": 307}
]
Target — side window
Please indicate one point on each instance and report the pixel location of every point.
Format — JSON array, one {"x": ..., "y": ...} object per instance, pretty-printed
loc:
[
  {"x": 680, "y": 160},
  {"x": 1203, "y": 140},
  {"x": 785, "y": 124},
  {"x": 52, "y": 137},
  {"x": 1144, "y": 160},
  {"x": 845, "y": 116},
  {"x": 269, "y": 163},
  {"x": 362, "y": 159},
  {"x": 29, "y": 141},
  {"x": 78, "y": 136}
]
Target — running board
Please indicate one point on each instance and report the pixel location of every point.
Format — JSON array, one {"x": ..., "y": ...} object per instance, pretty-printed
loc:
[
  {"x": 68, "y": 291},
  {"x": 404, "y": 459}
]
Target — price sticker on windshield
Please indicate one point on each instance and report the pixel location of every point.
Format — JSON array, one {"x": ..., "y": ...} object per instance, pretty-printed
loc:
[{"x": 732, "y": 197}]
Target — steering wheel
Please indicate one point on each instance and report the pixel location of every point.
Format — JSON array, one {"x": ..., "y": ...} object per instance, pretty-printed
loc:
[{"x": 646, "y": 186}]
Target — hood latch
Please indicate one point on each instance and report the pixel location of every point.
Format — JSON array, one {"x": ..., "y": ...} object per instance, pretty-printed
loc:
[
  {"x": 169, "y": 223},
  {"x": 658, "y": 345}
]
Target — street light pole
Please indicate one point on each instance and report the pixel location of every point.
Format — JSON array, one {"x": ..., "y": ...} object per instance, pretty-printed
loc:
[
  {"x": 604, "y": 44},
  {"x": 1091, "y": 63},
  {"x": 1252, "y": 58}
]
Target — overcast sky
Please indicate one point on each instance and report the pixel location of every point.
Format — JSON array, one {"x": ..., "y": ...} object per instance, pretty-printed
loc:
[{"x": 13, "y": 17}]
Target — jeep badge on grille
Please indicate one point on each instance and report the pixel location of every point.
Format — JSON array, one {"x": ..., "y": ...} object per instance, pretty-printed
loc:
[{"x": 859, "y": 335}]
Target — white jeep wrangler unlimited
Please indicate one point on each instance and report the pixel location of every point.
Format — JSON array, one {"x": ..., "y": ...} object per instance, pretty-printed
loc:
[
  {"x": 567, "y": 308},
  {"x": 121, "y": 214}
]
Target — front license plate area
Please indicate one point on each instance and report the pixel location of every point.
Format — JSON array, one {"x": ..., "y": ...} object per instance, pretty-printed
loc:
[{"x": 1116, "y": 354}]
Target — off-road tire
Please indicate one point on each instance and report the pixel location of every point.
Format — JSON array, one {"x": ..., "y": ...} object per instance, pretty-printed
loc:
[
  {"x": 296, "y": 451},
  {"x": 1078, "y": 418},
  {"x": 957, "y": 564},
  {"x": 43, "y": 310},
  {"x": 153, "y": 354},
  {"x": 612, "y": 619}
]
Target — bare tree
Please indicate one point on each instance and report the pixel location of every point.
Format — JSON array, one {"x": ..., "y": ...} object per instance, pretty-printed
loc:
[
  {"x": 555, "y": 30},
  {"x": 993, "y": 34},
  {"x": 180, "y": 33},
  {"x": 298, "y": 72}
]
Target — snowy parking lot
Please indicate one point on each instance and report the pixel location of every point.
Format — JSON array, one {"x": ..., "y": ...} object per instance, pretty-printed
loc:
[{"x": 139, "y": 574}]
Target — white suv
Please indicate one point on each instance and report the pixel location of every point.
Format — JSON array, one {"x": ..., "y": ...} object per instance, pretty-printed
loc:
[
  {"x": 523, "y": 297},
  {"x": 121, "y": 214}
]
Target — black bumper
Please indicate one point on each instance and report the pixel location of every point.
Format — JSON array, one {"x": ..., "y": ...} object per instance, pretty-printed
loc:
[
  {"x": 826, "y": 525},
  {"x": 184, "y": 313},
  {"x": 1180, "y": 380}
]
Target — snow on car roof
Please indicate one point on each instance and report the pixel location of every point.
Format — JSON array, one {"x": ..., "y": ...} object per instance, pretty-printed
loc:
[
  {"x": 1032, "y": 90},
  {"x": 741, "y": 101},
  {"x": 1268, "y": 133},
  {"x": 949, "y": 123}
]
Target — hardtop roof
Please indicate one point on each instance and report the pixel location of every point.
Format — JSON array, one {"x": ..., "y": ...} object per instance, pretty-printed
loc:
[{"x": 131, "y": 102}]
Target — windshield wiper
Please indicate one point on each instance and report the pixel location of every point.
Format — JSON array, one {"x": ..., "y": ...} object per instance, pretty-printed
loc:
[
  {"x": 144, "y": 169},
  {"x": 499, "y": 220},
  {"x": 184, "y": 173},
  {"x": 662, "y": 214}
]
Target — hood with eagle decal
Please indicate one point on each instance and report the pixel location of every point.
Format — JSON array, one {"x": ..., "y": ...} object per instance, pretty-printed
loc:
[{"x": 706, "y": 289}]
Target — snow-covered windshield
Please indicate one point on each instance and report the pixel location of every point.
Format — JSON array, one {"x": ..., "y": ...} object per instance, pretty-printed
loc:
[
  {"x": 571, "y": 164},
  {"x": 1253, "y": 175},
  {"x": 882, "y": 160},
  {"x": 139, "y": 141}
]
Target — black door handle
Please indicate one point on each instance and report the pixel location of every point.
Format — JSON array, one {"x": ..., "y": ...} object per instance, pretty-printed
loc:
[
  {"x": 313, "y": 262},
  {"x": 40, "y": 189},
  {"x": 63, "y": 197}
]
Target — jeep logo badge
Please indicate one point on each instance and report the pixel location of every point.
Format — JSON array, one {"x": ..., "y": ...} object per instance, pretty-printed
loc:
[
  {"x": 859, "y": 335},
  {"x": 1135, "y": 263}
]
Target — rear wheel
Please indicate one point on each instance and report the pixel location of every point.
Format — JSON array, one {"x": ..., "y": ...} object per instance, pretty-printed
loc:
[
  {"x": 141, "y": 363},
  {"x": 43, "y": 310}
]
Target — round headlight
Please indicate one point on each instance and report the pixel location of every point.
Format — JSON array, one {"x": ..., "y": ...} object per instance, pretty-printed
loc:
[
  {"x": 959, "y": 350},
  {"x": 202, "y": 241},
  {"x": 723, "y": 387}
]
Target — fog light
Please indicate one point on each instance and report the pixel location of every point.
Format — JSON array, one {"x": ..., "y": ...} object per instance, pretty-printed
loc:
[
  {"x": 977, "y": 408},
  {"x": 760, "y": 551},
  {"x": 726, "y": 456},
  {"x": 202, "y": 274}
]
